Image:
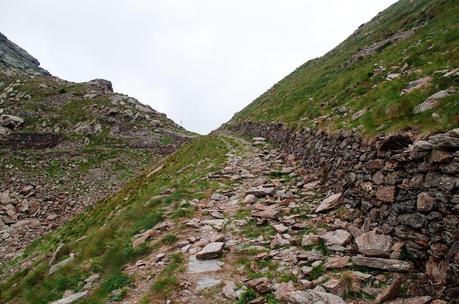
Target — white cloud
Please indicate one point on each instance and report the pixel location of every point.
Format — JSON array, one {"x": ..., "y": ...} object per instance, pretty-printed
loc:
[{"x": 198, "y": 61}]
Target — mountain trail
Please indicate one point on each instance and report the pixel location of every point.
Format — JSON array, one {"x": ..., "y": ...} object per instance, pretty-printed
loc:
[{"x": 258, "y": 240}]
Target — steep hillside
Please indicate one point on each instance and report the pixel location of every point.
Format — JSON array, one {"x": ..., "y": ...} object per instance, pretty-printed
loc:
[
  {"x": 398, "y": 71},
  {"x": 64, "y": 145}
]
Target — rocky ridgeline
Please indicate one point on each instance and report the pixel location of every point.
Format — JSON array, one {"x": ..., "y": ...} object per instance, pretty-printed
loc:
[
  {"x": 119, "y": 115},
  {"x": 405, "y": 189},
  {"x": 16, "y": 58},
  {"x": 65, "y": 145}
]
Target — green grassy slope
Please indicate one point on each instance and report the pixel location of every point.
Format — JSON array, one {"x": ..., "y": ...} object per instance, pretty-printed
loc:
[
  {"x": 108, "y": 228},
  {"x": 326, "y": 92}
]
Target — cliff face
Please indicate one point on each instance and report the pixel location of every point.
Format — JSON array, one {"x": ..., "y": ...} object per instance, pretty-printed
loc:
[{"x": 65, "y": 145}]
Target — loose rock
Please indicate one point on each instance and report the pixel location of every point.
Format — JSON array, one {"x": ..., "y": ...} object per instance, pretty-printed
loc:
[
  {"x": 374, "y": 244},
  {"x": 210, "y": 251},
  {"x": 329, "y": 203},
  {"x": 340, "y": 237},
  {"x": 71, "y": 298},
  {"x": 385, "y": 264},
  {"x": 313, "y": 297}
]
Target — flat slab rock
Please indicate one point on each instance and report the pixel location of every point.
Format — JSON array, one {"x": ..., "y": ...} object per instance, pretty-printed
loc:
[
  {"x": 311, "y": 256},
  {"x": 312, "y": 297},
  {"x": 210, "y": 251},
  {"x": 374, "y": 245},
  {"x": 329, "y": 203},
  {"x": 310, "y": 239},
  {"x": 200, "y": 266},
  {"x": 215, "y": 223},
  {"x": 260, "y": 191},
  {"x": 280, "y": 228},
  {"x": 339, "y": 236},
  {"x": 71, "y": 298},
  {"x": 259, "y": 139},
  {"x": 416, "y": 300},
  {"x": 380, "y": 263},
  {"x": 269, "y": 213},
  {"x": 337, "y": 262},
  {"x": 56, "y": 267},
  {"x": 229, "y": 290},
  {"x": 207, "y": 282}
]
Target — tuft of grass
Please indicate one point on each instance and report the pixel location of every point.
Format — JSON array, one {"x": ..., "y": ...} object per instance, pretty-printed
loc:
[
  {"x": 271, "y": 299},
  {"x": 351, "y": 289},
  {"x": 252, "y": 230},
  {"x": 116, "y": 280},
  {"x": 287, "y": 276},
  {"x": 316, "y": 272},
  {"x": 169, "y": 239},
  {"x": 242, "y": 214},
  {"x": 166, "y": 140},
  {"x": 322, "y": 247},
  {"x": 167, "y": 281},
  {"x": 183, "y": 210},
  {"x": 247, "y": 296},
  {"x": 165, "y": 285}
]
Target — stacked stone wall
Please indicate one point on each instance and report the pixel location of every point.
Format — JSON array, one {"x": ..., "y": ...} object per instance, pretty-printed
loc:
[{"x": 409, "y": 188}]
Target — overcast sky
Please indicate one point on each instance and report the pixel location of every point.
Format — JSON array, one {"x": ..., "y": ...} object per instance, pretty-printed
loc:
[{"x": 197, "y": 61}]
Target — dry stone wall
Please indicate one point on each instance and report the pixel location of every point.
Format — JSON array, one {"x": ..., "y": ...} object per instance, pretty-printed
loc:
[{"x": 409, "y": 189}]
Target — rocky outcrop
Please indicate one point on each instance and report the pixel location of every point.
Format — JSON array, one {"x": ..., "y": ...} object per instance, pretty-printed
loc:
[
  {"x": 406, "y": 189},
  {"x": 12, "y": 56},
  {"x": 433, "y": 100},
  {"x": 380, "y": 45},
  {"x": 31, "y": 140}
]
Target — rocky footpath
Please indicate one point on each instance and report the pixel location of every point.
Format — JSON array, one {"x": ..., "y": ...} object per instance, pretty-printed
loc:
[
  {"x": 403, "y": 192},
  {"x": 273, "y": 233}
]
